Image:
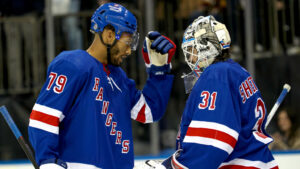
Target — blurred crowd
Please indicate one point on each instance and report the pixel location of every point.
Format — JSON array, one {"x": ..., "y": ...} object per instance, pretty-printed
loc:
[{"x": 287, "y": 136}]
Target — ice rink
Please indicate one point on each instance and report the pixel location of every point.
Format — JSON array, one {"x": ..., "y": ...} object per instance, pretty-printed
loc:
[{"x": 285, "y": 160}]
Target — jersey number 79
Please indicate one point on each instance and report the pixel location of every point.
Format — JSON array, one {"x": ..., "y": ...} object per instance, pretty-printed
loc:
[{"x": 60, "y": 82}]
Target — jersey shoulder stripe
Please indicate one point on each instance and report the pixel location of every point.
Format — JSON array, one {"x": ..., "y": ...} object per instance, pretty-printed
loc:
[
  {"x": 213, "y": 134},
  {"x": 43, "y": 126},
  {"x": 214, "y": 125},
  {"x": 48, "y": 110},
  {"x": 45, "y": 118}
]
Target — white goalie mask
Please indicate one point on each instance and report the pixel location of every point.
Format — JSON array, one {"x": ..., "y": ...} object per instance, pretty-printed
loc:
[{"x": 203, "y": 40}]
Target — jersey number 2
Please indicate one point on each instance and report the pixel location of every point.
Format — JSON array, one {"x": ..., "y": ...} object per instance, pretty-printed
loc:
[
  {"x": 60, "y": 82},
  {"x": 260, "y": 114},
  {"x": 260, "y": 111}
]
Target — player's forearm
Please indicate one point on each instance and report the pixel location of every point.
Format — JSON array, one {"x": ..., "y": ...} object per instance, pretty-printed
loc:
[
  {"x": 44, "y": 144},
  {"x": 157, "y": 93},
  {"x": 201, "y": 156}
]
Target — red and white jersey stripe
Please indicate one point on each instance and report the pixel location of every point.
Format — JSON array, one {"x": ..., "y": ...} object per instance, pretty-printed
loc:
[
  {"x": 45, "y": 118},
  {"x": 141, "y": 111},
  {"x": 213, "y": 134},
  {"x": 247, "y": 164},
  {"x": 262, "y": 138}
]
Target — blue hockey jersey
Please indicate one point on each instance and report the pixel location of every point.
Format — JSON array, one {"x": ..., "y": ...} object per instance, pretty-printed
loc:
[
  {"x": 84, "y": 110},
  {"x": 223, "y": 122}
]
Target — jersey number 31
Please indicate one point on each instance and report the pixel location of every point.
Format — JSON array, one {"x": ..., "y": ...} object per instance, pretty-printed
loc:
[{"x": 208, "y": 100}]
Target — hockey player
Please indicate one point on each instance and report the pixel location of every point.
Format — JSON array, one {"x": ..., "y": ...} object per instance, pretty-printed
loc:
[
  {"x": 222, "y": 125},
  {"x": 81, "y": 119}
]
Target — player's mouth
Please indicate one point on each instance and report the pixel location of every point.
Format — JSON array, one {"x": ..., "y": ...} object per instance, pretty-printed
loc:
[{"x": 123, "y": 57}]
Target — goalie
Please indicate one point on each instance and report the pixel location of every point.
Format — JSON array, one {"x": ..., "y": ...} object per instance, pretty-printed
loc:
[{"x": 222, "y": 125}]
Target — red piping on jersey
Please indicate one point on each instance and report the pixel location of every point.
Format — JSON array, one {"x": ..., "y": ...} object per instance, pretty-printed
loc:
[{"x": 106, "y": 70}]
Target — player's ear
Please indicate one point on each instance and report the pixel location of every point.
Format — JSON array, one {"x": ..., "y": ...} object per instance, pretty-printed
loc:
[{"x": 108, "y": 35}]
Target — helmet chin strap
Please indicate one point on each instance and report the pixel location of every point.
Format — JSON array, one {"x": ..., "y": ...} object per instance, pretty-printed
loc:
[{"x": 108, "y": 47}]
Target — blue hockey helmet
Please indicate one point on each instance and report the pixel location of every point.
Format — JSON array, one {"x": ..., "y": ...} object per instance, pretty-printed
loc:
[{"x": 117, "y": 16}]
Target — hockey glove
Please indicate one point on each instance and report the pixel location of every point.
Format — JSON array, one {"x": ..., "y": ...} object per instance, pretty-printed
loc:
[
  {"x": 158, "y": 51},
  {"x": 53, "y": 164}
]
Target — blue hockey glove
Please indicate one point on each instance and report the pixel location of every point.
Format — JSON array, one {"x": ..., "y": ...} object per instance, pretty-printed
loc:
[{"x": 158, "y": 51}]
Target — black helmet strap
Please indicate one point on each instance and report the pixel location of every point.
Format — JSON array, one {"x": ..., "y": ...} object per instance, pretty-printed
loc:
[{"x": 108, "y": 47}]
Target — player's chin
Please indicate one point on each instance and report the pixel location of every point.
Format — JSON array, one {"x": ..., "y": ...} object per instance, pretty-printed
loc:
[
  {"x": 121, "y": 60},
  {"x": 118, "y": 62}
]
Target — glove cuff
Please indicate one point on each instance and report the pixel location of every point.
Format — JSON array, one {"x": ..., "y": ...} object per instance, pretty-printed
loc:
[{"x": 159, "y": 70}]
